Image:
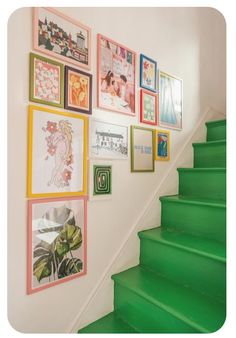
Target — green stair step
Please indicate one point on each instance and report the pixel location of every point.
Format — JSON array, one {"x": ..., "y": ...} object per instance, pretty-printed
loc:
[
  {"x": 203, "y": 182},
  {"x": 216, "y": 130},
  {"x": 210, "y": 154},
  {"x": 198, "y": 262},
  {"x": 153, "y": 304},
  {"x": 195, "y": 216},
  {"x": 111, "y": 323}
]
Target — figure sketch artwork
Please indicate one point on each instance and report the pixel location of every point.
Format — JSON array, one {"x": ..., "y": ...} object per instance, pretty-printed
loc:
[
  {"x": 56, "y": 241},
  {"x": 170, "y": 101},
  {"x": 46, "y": 81},
  {"x": 57, "y": 150},
  {"x": 108, "y": 140},
  {"x": 61, "y": 37},
  {"x": 116, "y": 77}
]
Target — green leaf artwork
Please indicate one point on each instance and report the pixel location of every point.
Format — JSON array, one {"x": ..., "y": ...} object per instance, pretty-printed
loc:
[{"x": 149, "y": 108}]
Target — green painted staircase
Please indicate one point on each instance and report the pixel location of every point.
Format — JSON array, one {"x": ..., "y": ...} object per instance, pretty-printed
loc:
[{"x": 179, "y": 285}]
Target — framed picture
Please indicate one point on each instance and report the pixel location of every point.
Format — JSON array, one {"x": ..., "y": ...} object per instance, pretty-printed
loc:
[
  {"x": 46, "y": 81},
  {"x": 108, "y": 140},
  {"x": 78, "y": 90},
  {"x": 148, "y": 73},
  {"x": 142, "y": 149},
  {"x": 170, "y": 101},
  {"x": 56, "y": 241},
  {"x": 115, "y": 76},
  {"x": 148, "y": 107},
  {"x": 62, "y": 37},
  {"x": 100, "y": 180},
  {"x": 57, "y": 153},
  {"x": 162, "y": 145}
]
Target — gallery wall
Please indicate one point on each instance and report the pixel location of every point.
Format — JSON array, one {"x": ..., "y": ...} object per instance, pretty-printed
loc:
[{"x": 186, "y": 42}]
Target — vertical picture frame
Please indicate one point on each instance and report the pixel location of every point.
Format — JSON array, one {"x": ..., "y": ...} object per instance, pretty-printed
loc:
[
  {"x": 148, "y": 107},
  {"x": 78, "y": 90},
  {"x": 46, "y": 81},
  {"x": 56, "y": 241},
  {"x": 100, "y": 180},
  {"x": 170, "y": 101},
  {"x": 116, "y": 77},
  {"x": 148, "y": 73},
  {"x": 162, "y": 145},
  {"x": 62, "y": 37},
  {"x": 142, "y": 149},
  {"x": 57, "y": 153}
]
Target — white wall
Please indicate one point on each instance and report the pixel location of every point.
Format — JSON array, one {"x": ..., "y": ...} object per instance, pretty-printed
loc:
[{"x": 188, "y": 42}]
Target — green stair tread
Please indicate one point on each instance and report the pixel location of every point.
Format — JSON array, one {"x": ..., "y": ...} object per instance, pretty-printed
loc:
[
  {"x": 110, "y": 323},
  {"x": 196, "y": 310},
  {"x": 187, "y": 242},
  {"x": 216, "y": 122},
  {"x": 193, "y": 200},
  {"x": 204, "y": 170},
  {"x": 209, "y": 143}
]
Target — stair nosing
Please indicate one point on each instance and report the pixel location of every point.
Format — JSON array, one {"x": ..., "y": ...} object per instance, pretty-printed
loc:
[
  {"x": 184, "y": 248},
  {"x": 163, "y": 306},
  {"x": 192, "y": 201},
  {"x": 221, "y": 121},
  {"x": 207, "y": 169},
  {"x": 209, "y": 143}
]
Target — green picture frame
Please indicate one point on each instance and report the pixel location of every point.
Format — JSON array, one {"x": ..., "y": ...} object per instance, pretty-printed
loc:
[
  {"x": 102, "y": 180},
  {"x": 142, "y": 149},
  {"x": 46, "y": 81}
]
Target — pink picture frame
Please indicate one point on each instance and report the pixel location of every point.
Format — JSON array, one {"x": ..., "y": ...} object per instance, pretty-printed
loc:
[
  {"x": 61, "y": 37},
  {"x": 148, "y": 107},
  {"x": 56, "y": 241},
  {"x": 116, "y": 77}
]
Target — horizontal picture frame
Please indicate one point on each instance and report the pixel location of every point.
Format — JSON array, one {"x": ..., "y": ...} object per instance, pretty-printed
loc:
[
  {"x": 142, "y": 149},
  {"x": 56, "y": 241},
  {"x": 57, "y": 153},
  {"x": 78, "y": 90},
  {"x": 62, "y": 37},
  {"x": 46, "y": 81}
]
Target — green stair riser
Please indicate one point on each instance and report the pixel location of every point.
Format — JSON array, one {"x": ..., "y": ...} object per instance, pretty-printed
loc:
[
  {"x": 216, "y": 130},
  {"x": 201, "y": 273},
  {"x": 203, "y": 184},
  {"x": 146, "y": 317},
  {"x": 210, "y": 155},
  {"x": 197, "y": 219}
]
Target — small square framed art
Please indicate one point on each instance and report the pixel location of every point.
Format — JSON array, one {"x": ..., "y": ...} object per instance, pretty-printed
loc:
[
  {"x": 148, "y": 107},
  {"x": 78, "y": 90},
  {"x": 46, "y": 81}
]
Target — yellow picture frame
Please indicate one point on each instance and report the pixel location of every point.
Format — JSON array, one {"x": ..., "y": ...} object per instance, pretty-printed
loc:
[
  {"x": 32, "y": 194},
  {"x": 157, "y": 156}
]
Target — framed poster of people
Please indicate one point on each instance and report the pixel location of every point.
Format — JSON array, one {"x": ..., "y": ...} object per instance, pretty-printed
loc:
[
  {"x": 170, "y": 101},
  {"x": 62, "y": 37},
  {"x": 57, "y": 153},
  {"x": 78, "y": 90},
  {"x": 116, "y": 76},
  {"x": 142, "y": 149},
  {"x": 56, "y": 241}
]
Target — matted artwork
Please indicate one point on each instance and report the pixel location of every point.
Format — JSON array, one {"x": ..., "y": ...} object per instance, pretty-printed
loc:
[
  {"x": 57, "y": 153},
  {"x": 162, "y": 145},
  {"x": 142, "y": 149},
  {"x": 170, "y": 101},
  {"x": 46, "y": 81},
  {"x": 108, "y": 140},
  {"x": 56, "y": 241},
  {"x": 78, "y": 90},
  {"x": 148, "y": 73},
  {"x": 100, "y": 184},
  {"x": 116, "y": 76},
  {"x": 62, "y": 37},
  {"x": 148, "y": 107}
]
